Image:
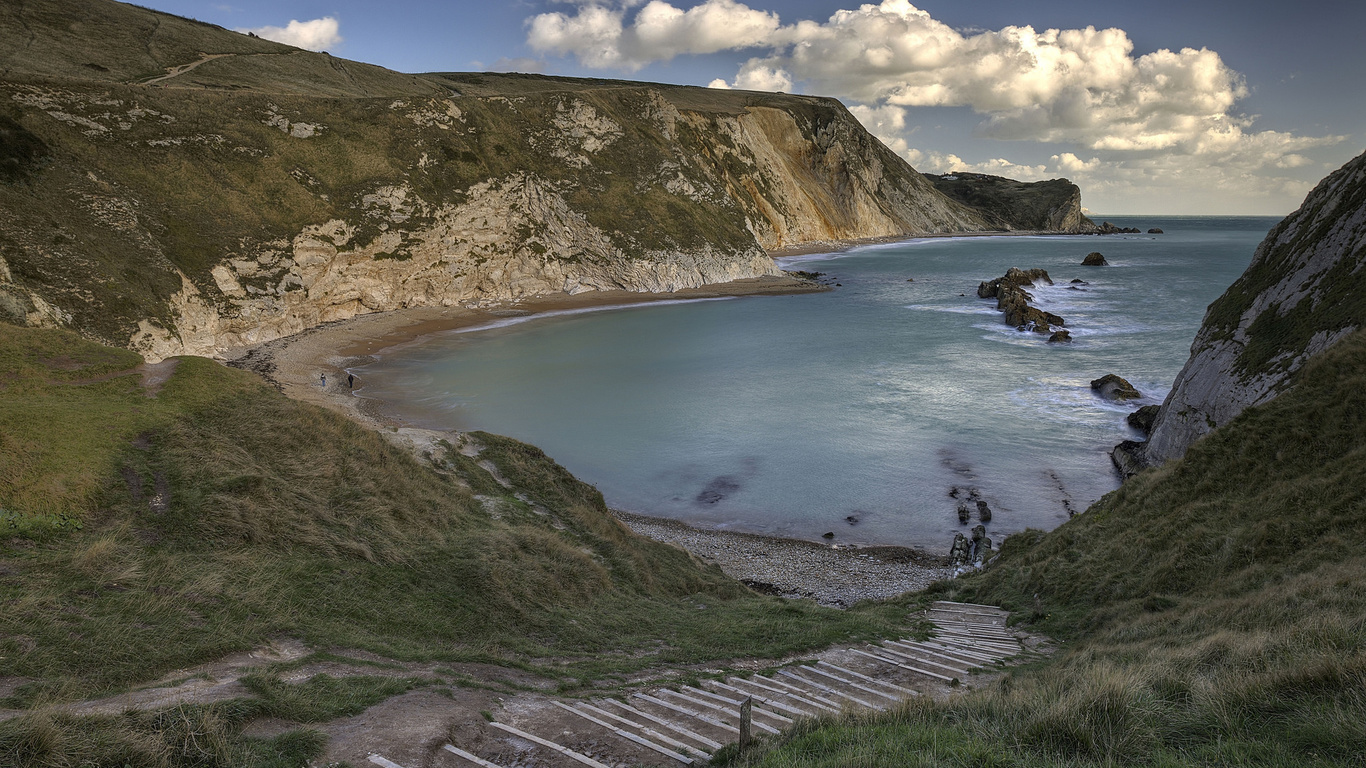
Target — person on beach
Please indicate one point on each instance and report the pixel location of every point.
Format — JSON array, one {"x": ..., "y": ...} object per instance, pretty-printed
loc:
[
  {"x": 350, "y": 380},
  {"x": 324, "y": 380}
]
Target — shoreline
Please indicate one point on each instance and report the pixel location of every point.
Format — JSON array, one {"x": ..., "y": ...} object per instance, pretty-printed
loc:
[
  {"x": 837, "y": 576},
  {"x": 295, "y": 364}
]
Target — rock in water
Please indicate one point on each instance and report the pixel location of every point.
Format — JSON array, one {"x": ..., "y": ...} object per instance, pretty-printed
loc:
[
  {"x": 1095, "y": 259},
  {"x": 1060, "y": 335},
  {"x": 1143, "y": 418},
  {"x": 1013, "y": 300},
  {"x": 963, "y": 514},
  {"x": 1112, "y": 387},
  {"x": 1155, "y": 231},
  {"x": 983, "y": 512},
  {"x": 961, "y": 552}
]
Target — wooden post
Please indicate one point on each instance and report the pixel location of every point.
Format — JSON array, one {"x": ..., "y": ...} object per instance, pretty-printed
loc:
[{"x": 745, "y": 707}]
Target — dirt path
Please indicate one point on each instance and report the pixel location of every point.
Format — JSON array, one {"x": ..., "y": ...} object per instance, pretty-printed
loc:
[
  {"x": 677, "y": 716},
  {"x": 183, "y": 68}
]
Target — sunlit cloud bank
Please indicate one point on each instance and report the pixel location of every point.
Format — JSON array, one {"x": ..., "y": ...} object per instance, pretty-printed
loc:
[
  {"x": 316, "y": 35},
  {"x": 1117, "y": 119}
]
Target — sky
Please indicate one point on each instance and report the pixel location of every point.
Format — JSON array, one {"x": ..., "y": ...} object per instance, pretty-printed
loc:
[{"x": 1161, "y": 107}]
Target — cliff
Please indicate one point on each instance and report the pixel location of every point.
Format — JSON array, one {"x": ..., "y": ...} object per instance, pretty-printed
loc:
[
  {"x": 1301, "y": 294},
  {"x": 1043, "y": 206},
  {"x": 178, "y": 188}
]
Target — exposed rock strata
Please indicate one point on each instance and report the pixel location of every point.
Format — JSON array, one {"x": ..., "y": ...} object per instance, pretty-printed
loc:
[
  {"x": 1302, "y": 293},
  {"x": 1013, "y": 301}
]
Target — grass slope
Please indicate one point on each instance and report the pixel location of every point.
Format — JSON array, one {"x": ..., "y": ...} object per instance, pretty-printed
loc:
[
  {"x": 1216, "y": 609},
  {"x": 143, "y": 534}
]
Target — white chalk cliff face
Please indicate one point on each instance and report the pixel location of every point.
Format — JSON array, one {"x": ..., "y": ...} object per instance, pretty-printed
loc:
[
  {"x": 512, "y": 238},
  {"x": 1304, "y": 290},
  {"x": 779, "y": 181}
]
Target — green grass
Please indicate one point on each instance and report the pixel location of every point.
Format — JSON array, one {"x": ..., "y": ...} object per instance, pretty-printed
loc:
[
  {"x": 1214, "y": 608},
  {"x": 181, "y": 736},
  {"x": 219, "y": 515}
]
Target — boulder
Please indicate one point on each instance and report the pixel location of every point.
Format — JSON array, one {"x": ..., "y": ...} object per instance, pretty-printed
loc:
[
  {"x": 961, "y": 551},
  {"x": 963, "y": 514},
  {"x": 1143, "y": 418},
  {"x": 1112, "y": 387},
  {"x": 1060, "y": 336},
  {"x": 1094, "y": 259},
  {"x": 1129, "y": 457},
  {"x": 1155, "y": 231},
  {"x": 983, "y": 511},
  {"x": 1079, "y": 281}
]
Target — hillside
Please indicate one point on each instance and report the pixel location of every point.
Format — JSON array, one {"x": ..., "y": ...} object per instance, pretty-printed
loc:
[
  {"x": 1045, "y": 206},
  {"x": 153, "y": 518},
  {"x": 1301, "y": 294},
  {"x": 173, "y": 187}
]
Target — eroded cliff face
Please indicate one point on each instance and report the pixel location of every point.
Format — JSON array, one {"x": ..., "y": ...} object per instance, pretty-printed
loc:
[
  {"x": 1040, "y": 206},
  {"x": 1302, "y": 293},
  {"x": 217, "y": 207}
]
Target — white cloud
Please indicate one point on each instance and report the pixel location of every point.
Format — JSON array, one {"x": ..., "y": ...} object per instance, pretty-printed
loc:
[
  {"x": 1123, "y": 120},
  {"x": 599, "y": 37},
  {"x": 756, "y": 76},
  {"x": 315, "y": 35}
]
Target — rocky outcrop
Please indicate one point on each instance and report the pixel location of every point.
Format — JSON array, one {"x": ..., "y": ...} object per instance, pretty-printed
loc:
[
  {"x": 1143, "y": 418},
  {"x": 1013, "y": 301},
  {"x": 1042, "y": 206},
  {"x": 1095, "y": 259},
  {"x": 1106, "y": 228},
  {"x": 1302, "y": 293},
  {"x": 1112, "y": 387}
]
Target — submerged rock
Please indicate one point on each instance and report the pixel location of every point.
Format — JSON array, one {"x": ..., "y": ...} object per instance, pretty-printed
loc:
[{"x": 1112, "y": 387}]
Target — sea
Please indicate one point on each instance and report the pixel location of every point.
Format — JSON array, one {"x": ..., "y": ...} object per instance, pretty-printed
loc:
[{"x": 865, "y": 415}]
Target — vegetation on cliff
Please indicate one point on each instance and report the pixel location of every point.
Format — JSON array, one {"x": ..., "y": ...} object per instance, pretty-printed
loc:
[
  {"x": 1041, "y": 206},
  {"x": 177, "y": 187}
]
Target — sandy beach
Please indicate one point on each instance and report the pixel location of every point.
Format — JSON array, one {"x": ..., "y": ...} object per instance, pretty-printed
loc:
[{"x": 837, "y": 576}]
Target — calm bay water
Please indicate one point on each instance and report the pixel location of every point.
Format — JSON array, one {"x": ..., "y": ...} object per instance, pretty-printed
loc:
[{"x": 787, "y": 415}]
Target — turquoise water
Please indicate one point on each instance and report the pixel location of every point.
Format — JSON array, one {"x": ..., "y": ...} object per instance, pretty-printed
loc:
[{"x": 789, "y": 415}]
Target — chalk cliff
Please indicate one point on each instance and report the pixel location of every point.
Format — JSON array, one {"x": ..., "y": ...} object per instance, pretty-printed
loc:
[
  {"x": 1302, "y": 293},
  {"x": 179, "y": 188}
]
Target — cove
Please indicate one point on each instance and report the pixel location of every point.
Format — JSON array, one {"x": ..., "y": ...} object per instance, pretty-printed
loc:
[{"x": 856, "y": 411}]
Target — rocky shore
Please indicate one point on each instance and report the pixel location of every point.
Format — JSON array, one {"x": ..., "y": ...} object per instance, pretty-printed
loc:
[{"x": 791, "y": 568}]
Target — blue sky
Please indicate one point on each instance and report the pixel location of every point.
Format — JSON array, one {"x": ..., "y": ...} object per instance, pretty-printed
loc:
[{"x": 1155, "y": 107}]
